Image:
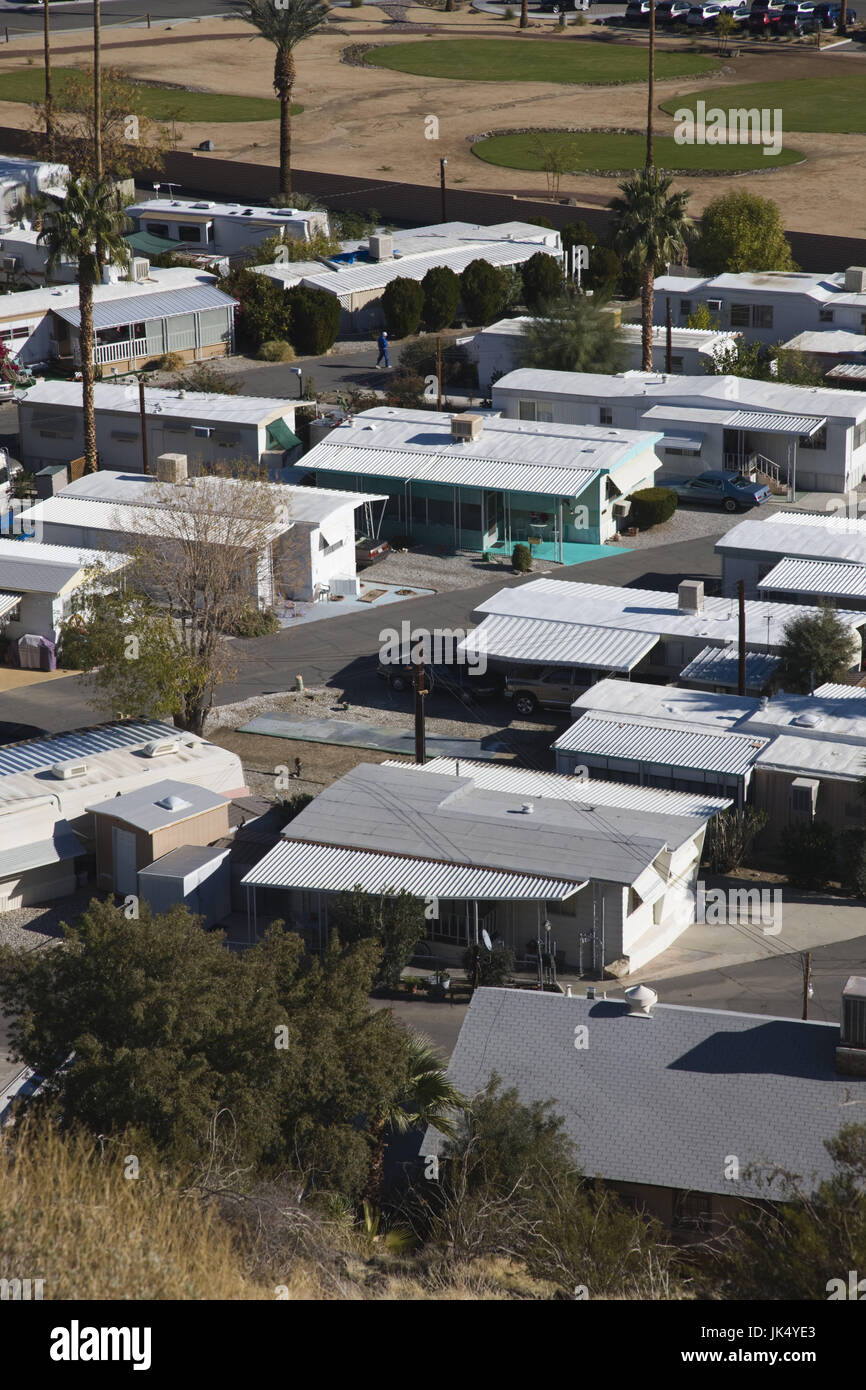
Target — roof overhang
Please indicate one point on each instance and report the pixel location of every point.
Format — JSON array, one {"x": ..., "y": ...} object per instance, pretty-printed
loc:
[
  {"x": 768, "y": 423},
  {"x": 569, "y": 644}
]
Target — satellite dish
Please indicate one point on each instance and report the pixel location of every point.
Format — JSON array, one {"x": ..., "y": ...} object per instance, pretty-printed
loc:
[{"x": 485, "y": 937}]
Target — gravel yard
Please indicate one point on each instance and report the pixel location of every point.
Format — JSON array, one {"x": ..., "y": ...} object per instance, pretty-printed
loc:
[{"x": 27, "y": 928}]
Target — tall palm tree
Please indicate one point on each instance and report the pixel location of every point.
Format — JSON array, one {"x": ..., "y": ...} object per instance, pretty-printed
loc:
[
  {"x": 49, "y": 97},
  {"x": 429, "y": 1098},
  {"x": 285, "y": 25},
  {"x": 651, "y": 85},
  {"x": 90, "y": 216},
  {"x": 524, "y": 14},
  {"x": 649, "y": 230}
]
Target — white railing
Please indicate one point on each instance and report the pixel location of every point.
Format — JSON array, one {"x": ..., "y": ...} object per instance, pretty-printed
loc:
[{"x": 114, "y": 352}]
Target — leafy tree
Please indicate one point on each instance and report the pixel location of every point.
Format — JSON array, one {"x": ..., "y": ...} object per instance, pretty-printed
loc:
[
  {"x": 741, "y": 359},
  {"x": 649, "y": 224},
  {"x": 730, "y": 835},
  {"x": 809, "y": 853},
  {"x": 402, "y": 303},
  {"x": 190, "y": 1048},
  {"x": 441, "y": 297},
  {"x": 814, "y": 650},
  {"x": 428, "y": 1098},
  {"x": 71, "y": 112},
  {"x": 577, "y": 234},
  {"x": 264, "y": 312},
  {"x": 576, "y": 334},
  {"x": 494, "y": 967},
  {"x": 285, "y": 26},
  {"x": 315, "y": 320},
  {"x": 803, "y": 1247},
  {"x": 542, "y": 282},
  {"x": 90, "y": 216},
  {"x": 482, "y": 289},
  {"x": 741, "y": 231},
  {"x": 700, "y": 317},
  {"x": 604, "y": 273},
  {"x": 395, "y": 920}
]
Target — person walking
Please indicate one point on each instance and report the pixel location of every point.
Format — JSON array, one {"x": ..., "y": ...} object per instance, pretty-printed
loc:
[{"x": 383, "y": 351}]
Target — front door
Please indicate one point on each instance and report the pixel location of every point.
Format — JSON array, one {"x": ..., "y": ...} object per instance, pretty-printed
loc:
[{"x": 125, "y": 862}]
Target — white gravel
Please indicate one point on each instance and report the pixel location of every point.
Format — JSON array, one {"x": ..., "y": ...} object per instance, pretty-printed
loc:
[{"x": 28, "y": 928}]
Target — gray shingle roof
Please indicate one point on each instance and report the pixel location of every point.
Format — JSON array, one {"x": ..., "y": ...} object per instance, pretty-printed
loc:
[{"x": 664, "y": 1100}]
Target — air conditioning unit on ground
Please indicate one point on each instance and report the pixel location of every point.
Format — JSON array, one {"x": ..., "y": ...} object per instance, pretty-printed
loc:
[
  {"x": 160, "y": 748},
  {"x": 65, "y": 772},
  {"x": 803, "y": 798}
]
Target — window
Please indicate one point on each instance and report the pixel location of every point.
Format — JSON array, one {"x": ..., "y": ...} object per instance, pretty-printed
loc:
[
  {"x": 676, "y": 364},
  {"x": 762, "y": 316},
  {"x": 158, "y": 229},
  {"x": 814, "y": 441},
  {"x": 188, "y": 231},
  {"x": 825, "y": 315},
  {"x": 859, "y": 437},
  {"x": 125, "y": 436},
  {"x": 692, "y": 1210},
  {"x": 541, "y": 411},
  {"x": 685, "y": 308},
  {"x": 740, "y": 316},
  {"x": 605, "y": 415}
]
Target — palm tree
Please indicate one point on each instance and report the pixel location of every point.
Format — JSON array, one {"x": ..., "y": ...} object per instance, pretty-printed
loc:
[
  {"x": 49, "y": 100},
  {"x": 286, "y": 26},
  {"x": 90, "y": 216},
  {"x": 648, "y": 231},
  {"x": 524, "y": 14},
  {"x": 429, "y": 1098},
  {"x": 652, "y": 83}
]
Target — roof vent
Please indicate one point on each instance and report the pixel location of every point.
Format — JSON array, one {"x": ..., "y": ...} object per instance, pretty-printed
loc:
[
  {"x": 465, "y": 429},
  {"x": 64, "y": 772},
  {"x": 810, "y": 720},
  {"x": 641, "y": 1001},
  {"x": 527, "y": 808},
  {"x": 851, "y": 1052},
  {"x": 174, "y": 803},
  {"x": 160, "y": 747}
]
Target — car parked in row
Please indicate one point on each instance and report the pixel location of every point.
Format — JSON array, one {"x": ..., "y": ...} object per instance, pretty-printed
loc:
[
  {"x": 732, "y": 491},
  {"x": 703, "y": 16},
  {"x": 637, "y": 12},
  {"x": 796, "y": 16},
  {"x": 672, "y": 11}
]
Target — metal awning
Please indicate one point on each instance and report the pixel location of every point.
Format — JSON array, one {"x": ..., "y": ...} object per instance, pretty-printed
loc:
[
  {"x": 720, "y": 666},
  {"x": 8, "y": 602},
  {"x": 682, "y": 441},
  {"x": 774, "y": 424},
  {"x": 571, "y": 644},
  {"x": 139, "y": 308},
  {"x": 334, "y": 869},
  {"x": 443, "y": 466}
]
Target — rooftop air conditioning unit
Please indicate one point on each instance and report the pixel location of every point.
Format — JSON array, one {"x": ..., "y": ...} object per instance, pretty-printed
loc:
[
  {"x": 803, "y": 798},
  {"x": 160, "y": 748},
  {"x": 381, "y": 248},
  {"x": 714, "y": 306},
  {"x": 466, "y": 428},
  {"x": 64, "y": 772},
  {"x": 139, "y": 269},
  {"x": 171, "y": 468},
  {"x": 690, "y": 596},
  {"x": 855, "y": 279}
]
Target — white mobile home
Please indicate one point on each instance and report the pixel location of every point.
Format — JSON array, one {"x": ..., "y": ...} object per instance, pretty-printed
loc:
[
  {"x": 769, "y": 306},
  {"x": 752, "y": 550},
  {"x": 224, "y": 229},
  {"x": 42, "y": 585}
]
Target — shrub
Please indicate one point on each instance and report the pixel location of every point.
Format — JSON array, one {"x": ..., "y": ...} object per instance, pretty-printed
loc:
[
  {"x": 254, "y": 622},
  {"x": 729, "y": 836},
  {"x": 408, "y": 392},
  {"x": 650, "y": 506},
  {"x": 482, "y": 289},
  {"x": 418, "y": 358},
  {"x": 441, "y": 296},
  {"x": 276, "y": 350},
  {"x": 521, "y": 559},
  {"x": 494, "y": 967},
  {"x": 542, "y": 281},
  {"x": 402, "y": 303},
  {"x": 605, "y": 271},
  {"x": 204, "y": 378},
  {"x": 852, "y": 862},
  {"x": 265, "y": 310},
  {"x": 809, "y": 852},
  {"x": 169, "y": 362},
  {"x": 315, "y": 320}
]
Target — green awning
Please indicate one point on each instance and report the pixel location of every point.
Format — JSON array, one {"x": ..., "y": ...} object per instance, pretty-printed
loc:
[
  {"x": 279, "y": 436},
  {"x": 149, "y": 245}
]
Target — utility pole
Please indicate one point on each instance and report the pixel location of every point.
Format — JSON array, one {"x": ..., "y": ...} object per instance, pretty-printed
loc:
[
  {"x": 807, "y": 982},
  {"x": 142, "y": 411},
  {"x": 741, "y": 635},
  {"x": 669, "y": 338},
  {"x": 420, "y": 692},
  {"x": 97, "y": 90},
  {"x": 442, "y": 166},
  {"x": 49, "y": 99},
  {"x": 438, "y": 373}
]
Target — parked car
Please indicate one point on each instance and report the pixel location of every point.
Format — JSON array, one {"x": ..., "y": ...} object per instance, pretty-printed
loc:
[
  {"x": 741, "y": 15},
  {"x": 672, "y": 11},
  {"x": 452, "y": 679},
  {"x": 764, "y": 18},
  {"x": 637, "y": 12},
  {"x": 796, "y": 17},
  {"x": 369, "y": 551},
  {"x": 703, "y": 16},
  {"x": 558, "y": 6},
  {"x": 547, "y": 687},
  {"x": 732, "y": 491},
  {"x": 828, "y": 14}
]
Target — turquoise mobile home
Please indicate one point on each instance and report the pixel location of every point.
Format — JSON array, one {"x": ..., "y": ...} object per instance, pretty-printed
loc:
[{"x": 477, "y": 481}]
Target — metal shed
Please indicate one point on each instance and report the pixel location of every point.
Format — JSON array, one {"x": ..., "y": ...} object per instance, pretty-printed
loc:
[{"x": 195, "y": 875}]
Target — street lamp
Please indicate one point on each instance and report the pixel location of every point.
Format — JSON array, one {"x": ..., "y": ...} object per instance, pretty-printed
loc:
[{"x": 298, "y": 372}]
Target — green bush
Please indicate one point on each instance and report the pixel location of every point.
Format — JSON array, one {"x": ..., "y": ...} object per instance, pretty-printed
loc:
[
  {"x": 254, "y": 622},
  {"x": 494, "y": 967},
  {"x": 264, "y": 310},
  {"x": 402, "y": 303},
  {"x": 852, "y": 862},
  {"x": 521, "y": 559},
  {"x": 276, "y": 350},
  {"x": 202, "y": 377},
  {"x": 650, "y": 506},
  {"x": 605, "y": 271},
  {"x": 809, "y": 853},
  {"x": 441, "y": 296},
  {"x": 542, "y": 282},
  {"x": 315, "y": 320},
  {"x": 169, "y": 362},
  {"x": 482, "y": 289}
]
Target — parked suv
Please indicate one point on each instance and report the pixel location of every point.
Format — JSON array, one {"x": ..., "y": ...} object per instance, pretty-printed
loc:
[
  {"x": 764, "y": 18},
  {"x": 548, "y": 687},
  {"x": 452, "y": 679},
  {"x": 637, "y": 12},
  {"x": 796, "y": 17},
  {"x": 703, "y": 16},
  {"x": 672, "y": 11}
]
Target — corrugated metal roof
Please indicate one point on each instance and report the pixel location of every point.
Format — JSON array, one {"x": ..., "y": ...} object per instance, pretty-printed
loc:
[
  {"x": 8, "y": 602},
  {"x": 816, "y": 577},
  {"x": 667, "y": 745},
  {"x": 212, "y": 407},
  {"x": 79, "y": 743},
  {"x": 31, "y": 567},
  {"x": 829, "y": 521},
  {"x": 845, "y": 541},
  {"x": 831, "y": 691},
  {"x": 65, "y": 844},
  {"x": 118, "y": 312},
  {"x": 444, "y": 468},
  {"x": 521, "y": 781},
  {"x": 720, "y": 666},
  {"x": 774, "y": 424},
  {"x": 331, "y": 869},
  {"x": 849, "y": 371},
  {"x": 364, "y": 276},
  {"x": 536, "y": 639}
]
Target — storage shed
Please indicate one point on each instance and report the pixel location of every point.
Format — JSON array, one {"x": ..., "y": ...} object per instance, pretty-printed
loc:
[
  {"x": 134, "y": 830},
  {"x": 195, "y": 875}
]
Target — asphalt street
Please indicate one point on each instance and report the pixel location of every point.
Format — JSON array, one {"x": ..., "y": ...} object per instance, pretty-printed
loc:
[{"x": 27, "y": 19}]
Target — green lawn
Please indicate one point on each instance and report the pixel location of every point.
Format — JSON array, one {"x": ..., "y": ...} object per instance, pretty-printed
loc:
[
  {"x": 813, "y": 103},
  {"x": 615, "y": 152},
  {"x": 159, "y": 103},
  {"x": 533, "y": 60}
]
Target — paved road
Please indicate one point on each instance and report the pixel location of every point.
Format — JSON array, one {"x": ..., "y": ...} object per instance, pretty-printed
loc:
[
  {"x": 27, "y": 19},
  {"x": 337, "y": 648}
]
